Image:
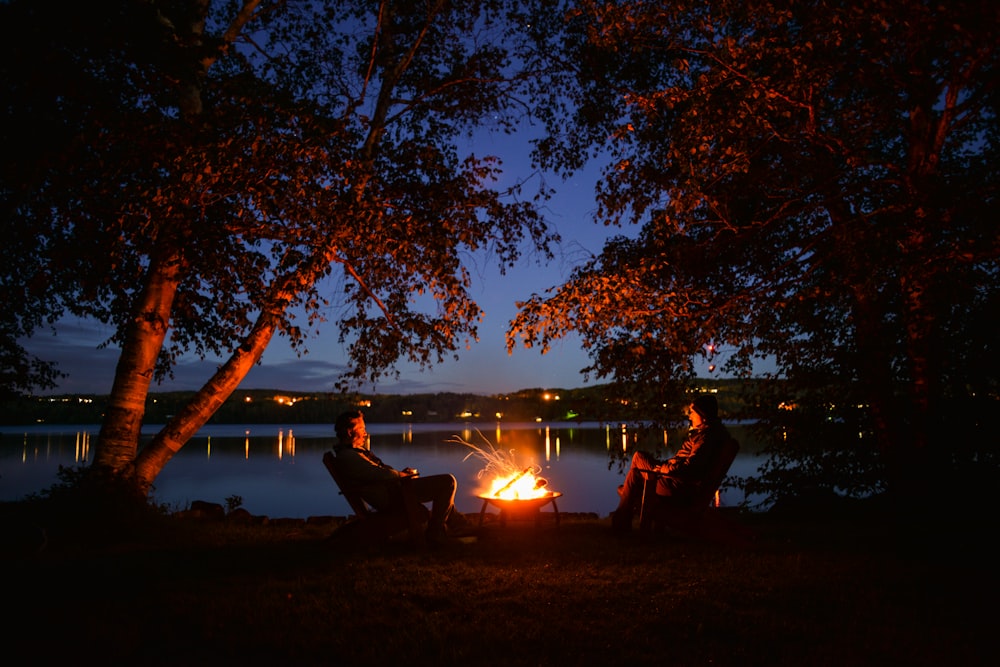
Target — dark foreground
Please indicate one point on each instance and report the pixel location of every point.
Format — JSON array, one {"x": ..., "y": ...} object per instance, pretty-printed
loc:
[{"x": 830, "y": 591}]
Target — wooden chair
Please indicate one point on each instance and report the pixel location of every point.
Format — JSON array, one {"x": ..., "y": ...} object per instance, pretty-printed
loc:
[
  {"x": 696, "y": 516},
  {"x": 406, "y": 514}
]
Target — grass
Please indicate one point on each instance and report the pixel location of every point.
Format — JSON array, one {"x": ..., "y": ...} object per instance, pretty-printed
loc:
[{"x": 830, "y": 591}]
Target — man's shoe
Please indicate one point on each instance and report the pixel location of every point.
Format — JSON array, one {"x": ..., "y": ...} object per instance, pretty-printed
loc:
[
  {"x": 621, "y": 520},
  {"x": 436, "y": 534},
  {"x": 458, "y": 525}
]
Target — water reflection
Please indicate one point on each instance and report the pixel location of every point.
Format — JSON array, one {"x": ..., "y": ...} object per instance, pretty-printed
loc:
[{"x": 277, "y": 469}]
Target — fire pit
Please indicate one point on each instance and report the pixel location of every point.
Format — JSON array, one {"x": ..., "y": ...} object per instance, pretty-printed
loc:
[
  {"x": 518, "y": 492},
  {"x": 520, "y": 508}
]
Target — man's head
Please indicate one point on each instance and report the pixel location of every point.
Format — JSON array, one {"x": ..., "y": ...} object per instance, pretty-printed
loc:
[
  {"x": 706, "y": 406},
  {"x": 350, "y": 428}
]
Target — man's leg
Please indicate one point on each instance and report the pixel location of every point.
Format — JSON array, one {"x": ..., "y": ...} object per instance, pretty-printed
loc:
[
  {"x": 438, "y": 490},
  {"x": 630, "y": 493}
]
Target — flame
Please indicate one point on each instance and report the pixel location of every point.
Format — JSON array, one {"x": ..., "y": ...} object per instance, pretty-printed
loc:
[
  {"x": 510, "y": 481},
  {"x": 518, "y": 486}
]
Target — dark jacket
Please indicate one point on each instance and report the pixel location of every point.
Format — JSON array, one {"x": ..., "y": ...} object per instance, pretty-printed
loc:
[
  {"x": 372, "y": 475},
  {"x": 687, "y": 468}
]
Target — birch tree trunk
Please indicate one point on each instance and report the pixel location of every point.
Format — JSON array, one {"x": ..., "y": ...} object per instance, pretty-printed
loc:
[
  {"x": 118, "y": 441},
  {"x": 202, "y": 406}
]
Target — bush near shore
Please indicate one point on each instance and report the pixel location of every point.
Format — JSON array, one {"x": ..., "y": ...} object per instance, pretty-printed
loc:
[{"x": 832, "y": 588}]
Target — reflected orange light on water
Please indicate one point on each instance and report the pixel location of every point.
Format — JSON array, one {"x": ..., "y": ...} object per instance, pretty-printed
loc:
[
  {"x": 82, "y": 446},
  {"x": 286, "y": 445},
  {"x": 548, "y": 445}
]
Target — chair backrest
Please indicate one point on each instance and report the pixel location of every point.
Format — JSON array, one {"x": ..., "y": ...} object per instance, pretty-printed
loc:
[
  {"x": 350, "y": 491},
  {"x": 717, "y": 472}
]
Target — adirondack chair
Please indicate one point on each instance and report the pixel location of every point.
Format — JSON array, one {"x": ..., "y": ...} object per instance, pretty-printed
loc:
[
  {"x": 406, "y": 517},
  {"x": 697, "y": 516}
]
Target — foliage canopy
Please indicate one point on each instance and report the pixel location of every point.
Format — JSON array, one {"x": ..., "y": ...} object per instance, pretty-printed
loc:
[
  {"x": 202, "y": 175},
  {"x": 815, "y": 185}
]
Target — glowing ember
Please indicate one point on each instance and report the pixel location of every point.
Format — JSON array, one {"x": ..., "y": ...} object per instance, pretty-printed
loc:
[{"x": 522, "y": 485}]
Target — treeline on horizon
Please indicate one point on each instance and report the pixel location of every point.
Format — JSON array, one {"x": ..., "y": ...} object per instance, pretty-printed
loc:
[{"x": 267, "y": 406}]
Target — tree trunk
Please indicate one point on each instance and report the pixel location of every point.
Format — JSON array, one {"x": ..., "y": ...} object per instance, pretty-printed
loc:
[
  {"x": 924, "y": 395},
  {"x": 875, "y": 373},
  {"x": 200, "y": 409},
  {"x": 118, "y": 440}
]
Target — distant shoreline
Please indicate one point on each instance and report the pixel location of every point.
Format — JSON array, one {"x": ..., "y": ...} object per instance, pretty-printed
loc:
[{"x": 599, "y": 404}]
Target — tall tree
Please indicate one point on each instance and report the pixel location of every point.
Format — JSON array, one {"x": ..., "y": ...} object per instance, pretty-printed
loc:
[
  {"x": 198, "y": 173},
  {"x": 815, "y": 184}
]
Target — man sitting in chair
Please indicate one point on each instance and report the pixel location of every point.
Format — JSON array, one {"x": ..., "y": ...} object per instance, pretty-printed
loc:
[
  {"x": 682, "y": 474},
  {"x": 362, "y": 466}
]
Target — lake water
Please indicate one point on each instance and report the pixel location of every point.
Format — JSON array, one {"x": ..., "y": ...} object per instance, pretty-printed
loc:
[{"x": 277, "y": 470}]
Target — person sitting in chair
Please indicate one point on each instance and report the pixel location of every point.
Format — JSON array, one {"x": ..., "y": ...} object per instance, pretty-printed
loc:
[
  {"x": 364, "y": 467},
  {"x": 682, "y": 474}
]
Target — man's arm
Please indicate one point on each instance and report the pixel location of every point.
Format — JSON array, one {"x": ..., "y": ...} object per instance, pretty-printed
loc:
[
  {"x": 694, "y": 457},
  {"x": 360, "y": 468}
]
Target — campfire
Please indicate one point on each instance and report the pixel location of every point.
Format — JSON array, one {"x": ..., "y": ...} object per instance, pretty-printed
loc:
[
  {"x": 520, "y": 486},
  {"x": 507, "y": 480},
  {"x": 515, "y": 490}
]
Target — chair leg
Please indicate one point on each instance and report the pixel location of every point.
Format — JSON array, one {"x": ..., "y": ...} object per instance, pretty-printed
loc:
[{"x": 647, "y": 509}]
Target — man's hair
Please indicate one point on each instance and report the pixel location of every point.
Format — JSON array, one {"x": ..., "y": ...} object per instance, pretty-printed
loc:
[{"x": 344, "y": 422}]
